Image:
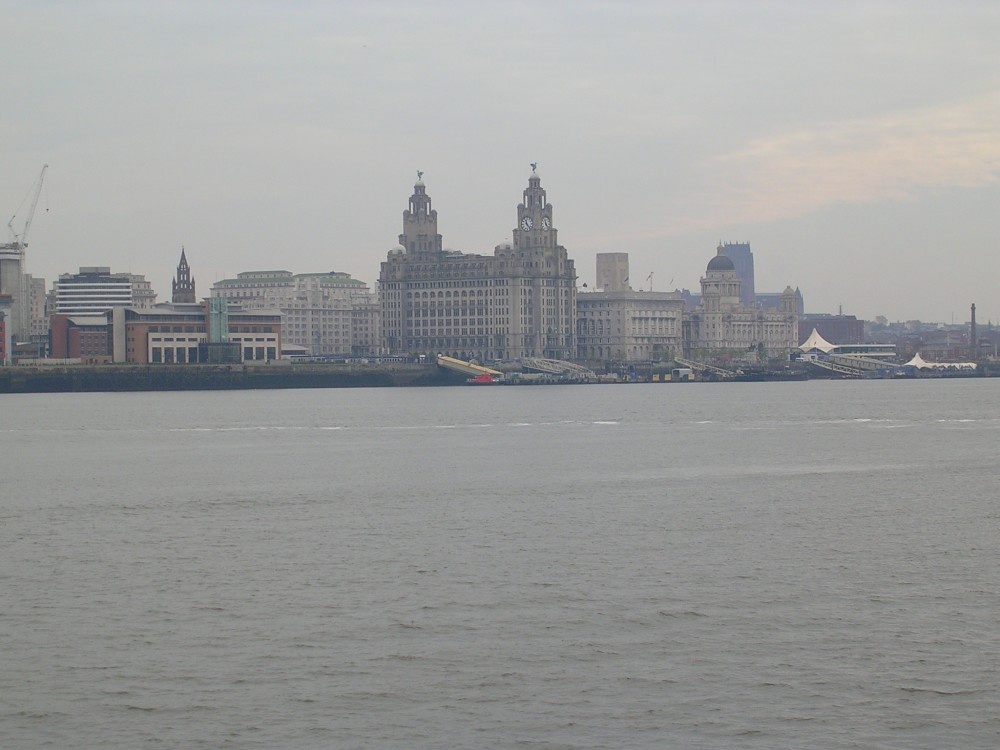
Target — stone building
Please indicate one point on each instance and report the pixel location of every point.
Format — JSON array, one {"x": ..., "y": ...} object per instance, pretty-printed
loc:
[
  {"x": 612, "y": 272},
  {"x": 328, "y": 314},
  {"x": 143, "y": 295},
  {"x": 722, "y": 326},
  {"x": 617, "y": 323},
  {"x": 774, "y": 301},
  {"x": 518, "y": 302}
]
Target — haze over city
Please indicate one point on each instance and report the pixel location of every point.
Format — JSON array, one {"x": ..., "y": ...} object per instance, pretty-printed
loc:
[{"x": 855, "y": 147}]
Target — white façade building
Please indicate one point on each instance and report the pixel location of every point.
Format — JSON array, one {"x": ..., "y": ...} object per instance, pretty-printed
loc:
[
  {"x": 328, "y": 314},
  {"x": 95, "y": 290}
]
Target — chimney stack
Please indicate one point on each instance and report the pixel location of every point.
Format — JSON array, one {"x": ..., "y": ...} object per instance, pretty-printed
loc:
[{"x": 973, "y": 337}]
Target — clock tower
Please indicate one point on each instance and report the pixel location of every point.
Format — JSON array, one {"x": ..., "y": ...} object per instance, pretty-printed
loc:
[
  {"x": 541, "y": 283},
  {"x": 534, "y": 217}
]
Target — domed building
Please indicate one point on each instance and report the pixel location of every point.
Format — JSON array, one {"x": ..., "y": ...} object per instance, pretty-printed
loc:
[{"x": 722, "y": 326}]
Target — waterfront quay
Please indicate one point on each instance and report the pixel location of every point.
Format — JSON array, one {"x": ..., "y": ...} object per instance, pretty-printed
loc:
[
  {"x": 97, "y": 378},
  {"x": 116, "y": 377}
]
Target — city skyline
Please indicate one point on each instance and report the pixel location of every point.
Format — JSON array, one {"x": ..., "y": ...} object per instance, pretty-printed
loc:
[{"x": 853, "y": 148}]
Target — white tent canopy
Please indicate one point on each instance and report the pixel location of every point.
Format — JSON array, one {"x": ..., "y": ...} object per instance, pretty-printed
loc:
[
  {"x": 815, "y": 341},
  {"x": 921, "y": 364}
]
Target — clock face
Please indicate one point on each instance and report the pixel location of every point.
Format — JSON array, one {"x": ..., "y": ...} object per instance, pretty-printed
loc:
[
  {"x": 527, "y": 223},
  {"x": 546, "y": 223}
]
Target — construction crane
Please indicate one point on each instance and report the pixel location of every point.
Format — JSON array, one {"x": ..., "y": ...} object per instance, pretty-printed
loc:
[
  {"x": 22, "y": 240},
  {"x": 12, "y": 257},
  {"x": 650, "y": 280}
]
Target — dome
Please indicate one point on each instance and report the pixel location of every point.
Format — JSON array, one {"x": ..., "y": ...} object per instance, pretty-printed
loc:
[{"x": 721, "y": 263}]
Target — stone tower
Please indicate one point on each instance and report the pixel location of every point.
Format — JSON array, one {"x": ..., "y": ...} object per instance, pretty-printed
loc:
[
  {"x": 534, "y": 218},
  {"x": 420, "y": 234},
  {"x": 183, "y": 287},
  {"x": 612, "y": 272}
]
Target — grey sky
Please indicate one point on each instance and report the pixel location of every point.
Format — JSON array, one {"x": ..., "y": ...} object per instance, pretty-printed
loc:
[{"x": 856, "y": 147}]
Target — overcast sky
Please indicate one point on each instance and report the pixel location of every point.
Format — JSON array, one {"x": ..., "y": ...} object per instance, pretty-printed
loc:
[{"x": 856, "y": 146}]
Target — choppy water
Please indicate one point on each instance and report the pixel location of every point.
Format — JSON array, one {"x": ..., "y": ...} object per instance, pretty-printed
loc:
[{"x": 786, "y": 565}]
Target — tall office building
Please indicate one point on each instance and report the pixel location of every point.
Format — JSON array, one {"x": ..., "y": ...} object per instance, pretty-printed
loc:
[
  {"x": 14, "y": 280},
  {"x": 39, "y": 325},
  {"x": 518, "y": 302},
  {"x": 742, "y": 257},
  {"x": 95, "y": 290},
  {"x": 12, "y": 283}
]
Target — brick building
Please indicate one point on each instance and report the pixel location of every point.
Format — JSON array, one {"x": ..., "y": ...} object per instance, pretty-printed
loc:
[{"x": 83, "y": 337}]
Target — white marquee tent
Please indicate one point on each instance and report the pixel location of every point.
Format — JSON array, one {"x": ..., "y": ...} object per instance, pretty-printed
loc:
[{"x": 921, "y": 364}]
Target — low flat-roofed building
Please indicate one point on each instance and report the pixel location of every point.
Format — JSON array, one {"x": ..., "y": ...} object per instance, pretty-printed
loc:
[
  {"x": 817, "y": 346},
  {"x": 844, "y": 329},
  {"x": 178, "y": 333}
]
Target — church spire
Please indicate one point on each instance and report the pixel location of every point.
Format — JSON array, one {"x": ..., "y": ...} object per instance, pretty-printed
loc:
[{"x": 183, "y": 286}]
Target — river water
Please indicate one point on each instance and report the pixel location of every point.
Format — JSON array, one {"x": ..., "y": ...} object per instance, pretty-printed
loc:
[{"x": 759, "y": 565}]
